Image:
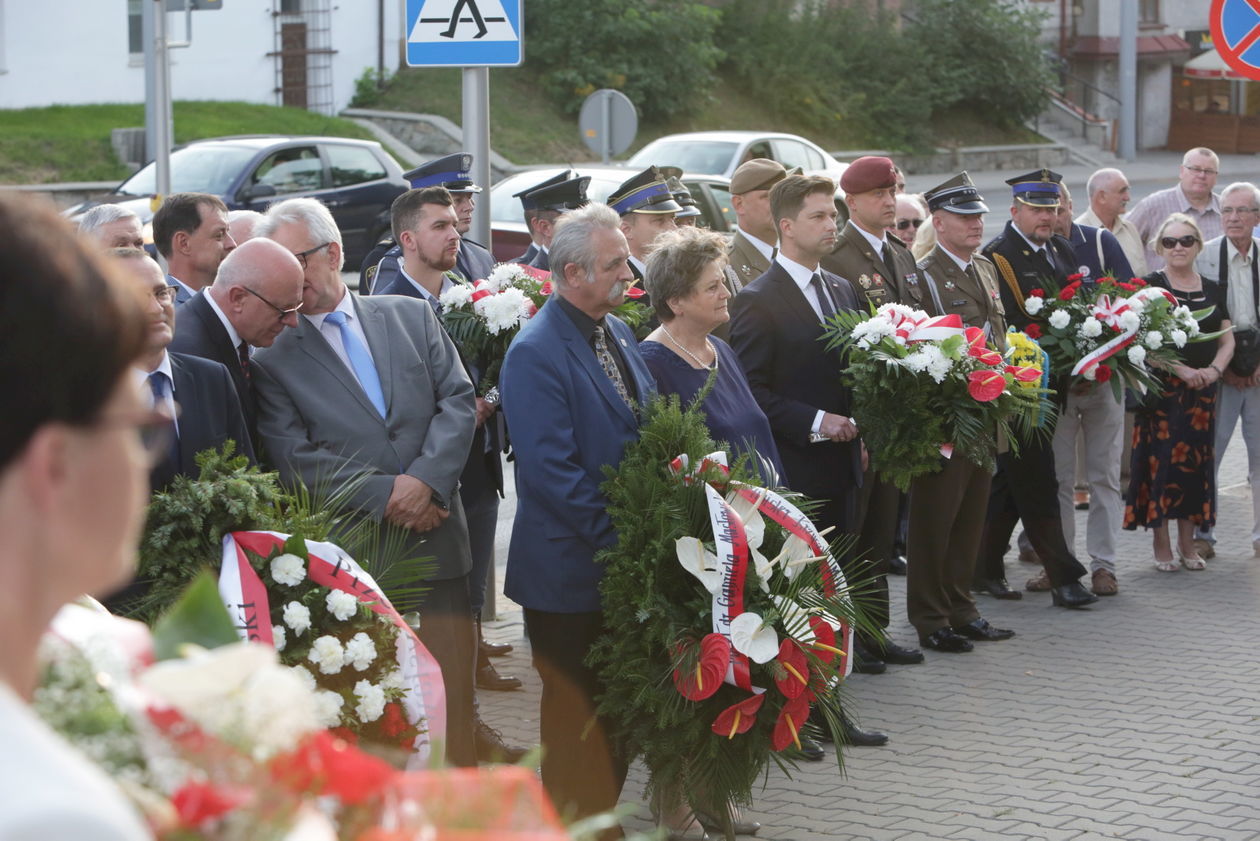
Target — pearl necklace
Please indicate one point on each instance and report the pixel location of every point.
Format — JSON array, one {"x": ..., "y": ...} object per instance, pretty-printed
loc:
[{"x": 694, "y": 358}]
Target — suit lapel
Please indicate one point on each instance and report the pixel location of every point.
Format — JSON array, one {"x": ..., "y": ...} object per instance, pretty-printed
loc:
[
  {"x": 585, "y": 359},
  {"x": 795, "y": 299},
  {"x": 316, "y": 346}
]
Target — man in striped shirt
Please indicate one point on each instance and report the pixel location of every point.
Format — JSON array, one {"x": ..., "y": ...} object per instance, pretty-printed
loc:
[{"x": 1192, "y": 196}]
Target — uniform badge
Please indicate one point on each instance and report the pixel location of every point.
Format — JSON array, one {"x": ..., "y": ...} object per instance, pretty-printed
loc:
[
  {"x": 1084, "y": 270},
  {"x": 961, "y": 303},
  {"x": 623, "y": 343},
  {"x": 949, "y": 284},
  {"x": 877, "y": 280},
  {"x": 864, "y": 281},
  {"x": 912, "y": 279}
]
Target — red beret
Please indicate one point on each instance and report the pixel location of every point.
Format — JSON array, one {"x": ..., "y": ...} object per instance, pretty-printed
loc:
[{"x": 868, "y": 173}]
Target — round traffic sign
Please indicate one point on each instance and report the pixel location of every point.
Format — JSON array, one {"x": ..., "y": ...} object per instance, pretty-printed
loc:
[
  {"x": 608, "y": 122},
  {"x": 1236, "y": 34}
]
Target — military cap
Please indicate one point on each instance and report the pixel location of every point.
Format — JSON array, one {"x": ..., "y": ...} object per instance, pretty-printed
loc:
[
  {"x": 869, "y": 172},
  {"x": 646, "y": 192},
  {"x": 1039, "y": 188},
  {"x": 454, "y": 172},
  {"x": 564, "y": 195},
  {"x": 957, "y": 195},
  {"x": 673, "y": 178},
  {"x": 757, "y": 174},
  {"x": 559, "y": 177}
]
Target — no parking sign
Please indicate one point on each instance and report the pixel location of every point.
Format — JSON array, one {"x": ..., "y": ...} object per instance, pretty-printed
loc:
[{"x": 1236, "y": 34}]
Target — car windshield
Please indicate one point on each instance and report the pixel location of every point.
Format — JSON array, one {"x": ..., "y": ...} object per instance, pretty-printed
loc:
[
  {"x": 705, "y": 157},
  {"x": 207, "y": 168},
  {"x": 505, "y": 207}
]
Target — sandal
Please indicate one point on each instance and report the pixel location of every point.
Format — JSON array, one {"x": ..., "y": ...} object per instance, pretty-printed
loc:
[
  {"x": 1192, "y": 562},
  {"x": 1166, "y": 566}
]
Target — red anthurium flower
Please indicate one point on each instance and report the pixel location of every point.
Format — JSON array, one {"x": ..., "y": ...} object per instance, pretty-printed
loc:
[
  {"x": 1102, "y": 374},
  {"x": 634, "y": 292},
  {"x": 324, "y": 764},
  {"x": 196, "y": 803},
  {"x": 1033, "y": 331},
  {"x": 787, "y": 730},
  {"x": 977, "y": 348},
  {"x": 1037, "y": 292},
  {"x": 1024, "y": 373},
  {"x": 696, "y": 684},
  {"x": 824, "y": 644},
  {"x": 738, "y": 718},
  {"x": 1075, "y": 278},
  {"x": 984, "y": 386},
  {"x": 794, "y": 676},
  {"x": 546, "y": 287}
]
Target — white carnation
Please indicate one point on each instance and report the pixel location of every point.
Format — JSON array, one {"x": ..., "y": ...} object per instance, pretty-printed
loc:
[
  {"x": 341, "y": 604},
  {"x": 278, "y": 637},
  {"x": 371, "y": 701},
  {"x": 456, "y": 297},
  {"x": 506, "y": 310},
  {"x": 1179, "y": 337},
  {"x": 360, "y": 651},
  {"x": 1059, "y": 319},
  {"x": 1137, "y": 304},
  {"x": 1090, "y": 328},
  {"x": 327, "y": 653},
  {"x": 1182, "y": 313},
  {"x": 298, "y": 617},
  {"x": 1034, "y": 304},
  {"x": 393, "y": 680},
  {"x": 1154, "y": 339},
  {"x": 1129, "y": 320},
  {"x": 304, "y": 674},
  {"x": 288, "y": 570},
  {"x": 328, "y": 708}
]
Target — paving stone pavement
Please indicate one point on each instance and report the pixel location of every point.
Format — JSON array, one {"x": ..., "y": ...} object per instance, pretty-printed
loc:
[{"x": 1138, "y": 718}]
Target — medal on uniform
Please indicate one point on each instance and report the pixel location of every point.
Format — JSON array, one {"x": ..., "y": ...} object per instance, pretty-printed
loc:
[
  {"x": 864, "y": 281},
  {"x": 877, "y": 280},
  {"x": 949, "y": 284},
  {"x": 912, "y": 279}
]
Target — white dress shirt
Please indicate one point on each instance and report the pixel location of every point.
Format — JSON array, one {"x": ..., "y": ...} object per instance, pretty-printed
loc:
[
  {"x": 801, "y": 276},
  {"x": 332, "y": 333},
  {"x": 223, "y": 319},
  {"x": 766, "y": 249}
]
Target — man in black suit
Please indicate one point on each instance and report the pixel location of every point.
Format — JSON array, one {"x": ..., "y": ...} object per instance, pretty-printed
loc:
[
  {"x": 256, "y": 294},
  {"x": 1028, "y": 255},
  {"x": 209, "y": 411},
  {"x": 776, "y": 324}
]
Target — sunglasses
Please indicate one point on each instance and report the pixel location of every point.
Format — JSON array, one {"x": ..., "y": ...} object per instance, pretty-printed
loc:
[
  {"x": 902, "y": 224},
  {"x": 1187, "y": 241}
]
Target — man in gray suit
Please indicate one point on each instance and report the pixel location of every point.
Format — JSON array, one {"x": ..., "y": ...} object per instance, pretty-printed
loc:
[{"x": 374, "y": 386}]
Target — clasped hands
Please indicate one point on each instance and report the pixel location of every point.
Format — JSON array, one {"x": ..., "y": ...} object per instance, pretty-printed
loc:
[
  {"x": 837, "y": 427},
  {"x": 411, "y": 505}
]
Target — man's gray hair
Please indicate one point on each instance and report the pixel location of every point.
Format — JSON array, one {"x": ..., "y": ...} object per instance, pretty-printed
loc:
[
  {"x": 102, "y": 215},
  {"x": 1100, "y": 179},
  {"x": 1243, "y": 185},
  {"x": 1201, "y": 150},
  {"x": 574, "y": 240},
  {"x": 677, "y": 263},
  {"x": 309, "y": 213}
]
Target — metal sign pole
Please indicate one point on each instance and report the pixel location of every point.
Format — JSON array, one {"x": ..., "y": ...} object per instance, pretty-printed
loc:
[
  {"x": 476, "y": 115},
  {"x": 161, "y": 74},
  {"x": 605, "y": 105},
  {"x": 1128, "y": 81}
]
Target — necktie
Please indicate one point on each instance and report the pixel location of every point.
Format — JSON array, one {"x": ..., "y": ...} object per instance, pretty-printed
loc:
[
  {"x": 1045, "y": 261},
  {"x": 160, "y": 386},
  {"x": 242, "y": 351},
  {"x": 774, "y": 252},
  {"x": 360, "y": 361},
  {"x": 824, "y": 301},
  {"x": 606, "y": 361},
  {"x": 885, "y": 254}
]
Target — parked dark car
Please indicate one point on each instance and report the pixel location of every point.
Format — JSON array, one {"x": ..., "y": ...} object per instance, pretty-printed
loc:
[{"x": 356, "y": 179}]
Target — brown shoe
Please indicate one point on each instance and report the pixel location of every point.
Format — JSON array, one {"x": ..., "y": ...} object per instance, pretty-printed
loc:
[
  {"x": 1103, "y": 583},
  {"x": 1039, "y": 583},
  {"x": 1204, "y": 549}
]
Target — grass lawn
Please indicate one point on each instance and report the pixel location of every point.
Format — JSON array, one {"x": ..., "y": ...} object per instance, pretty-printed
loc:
[{"x": 71, "y": 142}]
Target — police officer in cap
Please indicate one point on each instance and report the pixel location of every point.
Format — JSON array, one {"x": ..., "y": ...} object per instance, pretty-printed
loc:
[
  {"x": 689, "y": 215},
  {"x": 647, "y": 208},
  {"x": 543, "y": 205},
  {"x": 947, "y": 508},
  {"x": 532, "y": 251},
  {"x": 1029, "y": 255}
]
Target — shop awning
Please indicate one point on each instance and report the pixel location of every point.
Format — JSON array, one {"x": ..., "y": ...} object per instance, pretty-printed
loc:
[{"x": 1210, "y": 65}]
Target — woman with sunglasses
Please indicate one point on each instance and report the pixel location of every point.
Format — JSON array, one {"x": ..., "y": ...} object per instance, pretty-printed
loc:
[
  {"x": 73, "y": 486},
  {"x": 1172, "y": 471}
]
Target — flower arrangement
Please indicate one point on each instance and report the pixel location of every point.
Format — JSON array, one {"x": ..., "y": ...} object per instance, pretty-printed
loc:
[
  {"x": 926, "y": 387},
  {"x": 1111, "y": 331},
  {"x": 731, "y": 616}
]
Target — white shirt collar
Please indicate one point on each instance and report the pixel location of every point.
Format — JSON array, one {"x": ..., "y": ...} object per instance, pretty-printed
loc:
[
  {"x": 1235, "y": 254},
  {"x": 951, "y": 255},
  {"x": 767, "y": 250},
  {"x": 801, "y": 275},
  {"x": 164, "y": 366},
  {"x": 446, "y": 284},
  {"x": 346, "y": 305},
  {"x": 223, "y": 319},
  {"x": 876, "y": 242}
]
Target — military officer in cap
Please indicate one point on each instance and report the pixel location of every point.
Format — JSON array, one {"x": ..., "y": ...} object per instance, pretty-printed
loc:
[
  {"x": 947, "y": 508},
  {"x": 756, "y": 241},
  {"x": 532, "y": 251},
  {"x": 543, "y": 205},
  {"x": 1027, "y": 255},
  {"x": 647, "y": 208},
  {"x": 881, "y": 270},
  {"x": 690, "y": 214}
]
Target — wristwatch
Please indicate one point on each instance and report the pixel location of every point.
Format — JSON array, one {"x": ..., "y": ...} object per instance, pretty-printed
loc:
[{"x": 491, "y": 396}]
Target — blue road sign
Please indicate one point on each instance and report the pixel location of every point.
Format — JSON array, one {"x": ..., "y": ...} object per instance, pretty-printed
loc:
[{"x": 464, "y": 33}]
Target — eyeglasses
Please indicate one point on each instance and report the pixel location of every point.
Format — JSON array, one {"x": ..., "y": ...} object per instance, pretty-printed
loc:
[
  {"x": 1230, "y": 211},
  {"x": 1188, "y": 241},
  {"x": 1198, "y": 170},
  {"x": 280, "y": 311},
  {"x": 155, "y": 429},
  {"x": 302, "y": 255},
  {"x": 164, "y": 294},
  {"x": 902, "y": 224}
]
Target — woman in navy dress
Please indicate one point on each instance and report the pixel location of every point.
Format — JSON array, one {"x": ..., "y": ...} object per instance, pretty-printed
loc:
[{"x": 685, "y": 279}]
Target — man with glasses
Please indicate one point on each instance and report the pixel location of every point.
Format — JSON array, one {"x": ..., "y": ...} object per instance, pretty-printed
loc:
[
  {"x": 256, "y": 294},
  {"x": 1232, "y": 259},
  {"x": 1192, "y": 196}
]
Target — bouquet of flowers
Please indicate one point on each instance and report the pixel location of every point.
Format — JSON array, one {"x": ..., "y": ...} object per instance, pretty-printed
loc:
[
  {"x": 1111, "y": 331},
  {"x": 483, "y": 317},
  {"x": 730, "y": 615},
  {"x": 926, "y": 387}
]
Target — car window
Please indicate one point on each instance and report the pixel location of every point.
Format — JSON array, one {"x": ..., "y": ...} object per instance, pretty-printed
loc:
[
  {"x": 204, "y": 168},
  {"x": 760, "y": 149},
  {"x": 722, "y": 196},
  {"x": 297, "y": 169},
  {"x": 350, "y": 165},
  {"x": 816, "y": 160},
  {"x": 792, "y": 153},
  {"x": 703, "y": 157}
]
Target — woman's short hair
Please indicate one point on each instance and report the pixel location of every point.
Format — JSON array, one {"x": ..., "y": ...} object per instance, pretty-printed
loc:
[
  {"x": 1175, "y": 219},
  {"x": 69, "y": 326},
  {"x": 677, "y": 260}
]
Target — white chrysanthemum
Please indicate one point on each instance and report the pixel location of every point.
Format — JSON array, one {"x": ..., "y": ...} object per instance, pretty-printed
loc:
[
  {"x": 1129, "y": 320},
  {"x": 1137, "y": 355},
  {"x": 288, "y": 570},
  {"x": 304, "y": 674},
  {"x": 327, "y": 653},
  {"x": 456, "y": 297},
  {"x": 371, "y": 701},
  {"x": 1179, "y": 337},
  {"x": 360, "y": 651},
  {"x": 937, "y": 364},
  {"x": 506, "y": 310},
  {"x": 1136, "y": 303},
  {"x": 341, "y": 604},
  {"x": 1182, "y": 313},
  {"x": 298, "y": 617},
  {"x": 278, "y": 638},
  {"x": 1090, "y": 328},
  {"x": 917, "y": 361},
  {"x": 393, "y": 680},
  {"x": 1153, "y": 339},
  {"x": 1059, "y": 319},
  {"x": 328, "y": 708},
  {"x": 1034, "y": 304}
]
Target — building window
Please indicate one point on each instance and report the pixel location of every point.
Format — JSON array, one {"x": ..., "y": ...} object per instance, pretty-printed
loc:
[
  {"x": 135, "y": 27},
  {"x": 1148, "y": 12}
]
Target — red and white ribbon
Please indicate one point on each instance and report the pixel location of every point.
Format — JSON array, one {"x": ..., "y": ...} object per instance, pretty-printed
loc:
[
  {"x": 731, "y": 545},
  {"x": 481, "y": 289},
  {"x": 1109, "y": 312}
]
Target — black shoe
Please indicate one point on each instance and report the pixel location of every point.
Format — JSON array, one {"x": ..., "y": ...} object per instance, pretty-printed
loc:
[
  {"x": 492, "y": 748},
  {"x": 897, "y": 565},
  {"x": 866, "y": 661},
  {"x": 996, "y": 587},
  {"x": 944, "y": 639},
  {"x": 1072, "y": 594},
  {"x": 712, "y": 824},
  {"x": 495, "y": 649},
  {"x": 810, "y": 749},
  {"x": 900, "y": 655},
  {"x": 489, "y": 678},
  {"x": 856, "y": 737},
  {"x": 980, "y": 629}
]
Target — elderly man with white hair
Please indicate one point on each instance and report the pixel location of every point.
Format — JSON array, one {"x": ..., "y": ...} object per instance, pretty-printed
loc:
[
  {"x": 112, "y": 226},
  {"x": 1108, "y": 192}
]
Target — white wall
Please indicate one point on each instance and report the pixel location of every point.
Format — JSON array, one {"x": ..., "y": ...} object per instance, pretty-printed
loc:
[{"x": 75, "y": 52}]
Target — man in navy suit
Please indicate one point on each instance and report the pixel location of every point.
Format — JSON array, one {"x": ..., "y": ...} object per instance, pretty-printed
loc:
[
  {"x": 190, "y": 231},
  {"x": 256, "y": 294},
  {"x": 573, "y": 384}
]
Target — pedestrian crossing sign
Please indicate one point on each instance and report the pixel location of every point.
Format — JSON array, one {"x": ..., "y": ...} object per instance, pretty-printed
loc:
[{"x": 464, "y": 33}]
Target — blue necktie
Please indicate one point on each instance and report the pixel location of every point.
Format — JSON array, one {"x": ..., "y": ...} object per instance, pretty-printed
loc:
[
  {"x": 160, "y": 386},
  {"x": 360, "y": 361}
]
